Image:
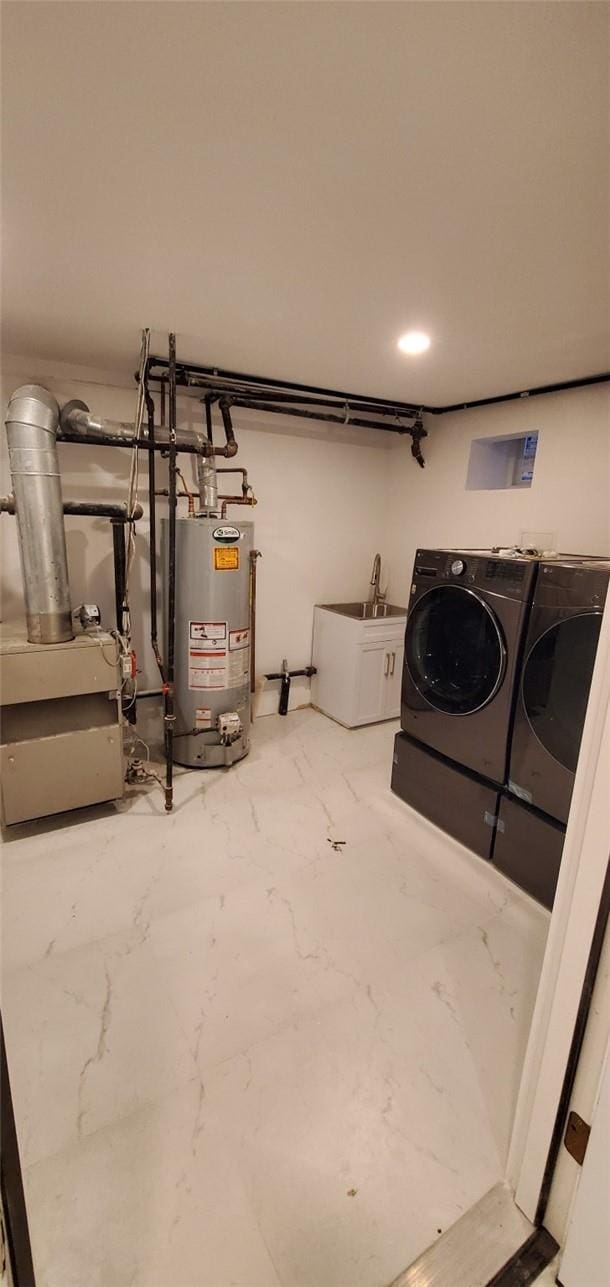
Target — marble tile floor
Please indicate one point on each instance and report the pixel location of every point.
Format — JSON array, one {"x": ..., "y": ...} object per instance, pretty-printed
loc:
[{"x": 244, "y": 1054}]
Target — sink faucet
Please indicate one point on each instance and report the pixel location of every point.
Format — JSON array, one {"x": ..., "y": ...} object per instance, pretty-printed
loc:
[{"x": 378, "y": 595}]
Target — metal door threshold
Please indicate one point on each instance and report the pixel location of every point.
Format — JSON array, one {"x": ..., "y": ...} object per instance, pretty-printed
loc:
[{"x": 489, "y": 1246}]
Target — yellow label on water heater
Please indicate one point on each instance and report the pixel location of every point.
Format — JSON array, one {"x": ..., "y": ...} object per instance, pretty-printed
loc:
[{"x": 226, "y": 558}]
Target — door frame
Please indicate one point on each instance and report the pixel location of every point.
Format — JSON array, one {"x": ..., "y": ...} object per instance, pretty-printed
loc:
[{"x": 568, "y": 949}]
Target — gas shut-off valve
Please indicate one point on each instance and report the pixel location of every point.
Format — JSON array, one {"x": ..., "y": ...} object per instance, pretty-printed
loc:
[{"x": 230, "y": 727}]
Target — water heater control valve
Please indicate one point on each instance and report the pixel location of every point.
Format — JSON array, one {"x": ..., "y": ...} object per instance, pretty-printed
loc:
[{"x": 230, "y": 727}]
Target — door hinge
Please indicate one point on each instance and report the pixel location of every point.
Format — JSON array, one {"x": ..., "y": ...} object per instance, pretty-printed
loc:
[{"x": 576, "y": 1137}]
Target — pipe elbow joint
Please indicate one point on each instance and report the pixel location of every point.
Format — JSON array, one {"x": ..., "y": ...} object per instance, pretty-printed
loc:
[{"x": 33, "y": 406}]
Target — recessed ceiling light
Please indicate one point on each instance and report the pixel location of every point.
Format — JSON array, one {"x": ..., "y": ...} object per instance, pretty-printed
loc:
[{"x": 414, "y": 342}]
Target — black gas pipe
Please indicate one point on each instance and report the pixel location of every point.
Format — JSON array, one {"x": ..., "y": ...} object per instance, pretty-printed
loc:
[
  {"x": 286, "y": 675},
  {"x": 120, "y": 571},
  {"x": 169, "y": 717},
  {"x": 152, "y": 516},
  {"x": 91, "y": 509},
  {"x": 221, "y": 381}
]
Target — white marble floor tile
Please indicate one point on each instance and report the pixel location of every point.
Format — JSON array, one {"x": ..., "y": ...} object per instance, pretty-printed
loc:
[
  {"x": 241, "y": 1055},
  {"x": 154, "y": 1200},
  {"x": 487, "y": 978},
  {"x": 237, "y": 971},
  {"x": 359, "y": 1133},
  {"x": 91, "y": 1036}
]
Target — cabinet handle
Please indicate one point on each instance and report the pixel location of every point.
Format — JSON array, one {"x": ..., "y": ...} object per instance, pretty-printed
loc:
[
  {"x": 386, "y": 664},
  {"x": 393, "y": 663}
]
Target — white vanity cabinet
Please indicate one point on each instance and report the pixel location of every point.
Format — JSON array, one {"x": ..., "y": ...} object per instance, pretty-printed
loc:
[{"x": 359, "y": 666}]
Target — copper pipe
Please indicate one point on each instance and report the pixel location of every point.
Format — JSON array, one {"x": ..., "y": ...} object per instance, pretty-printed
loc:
[
  {"x": 186, "y": 492},
  {"x": 235, "y": 469},
  {"x": 226, "y": 500},
  {"x": 234, "y": 500}
]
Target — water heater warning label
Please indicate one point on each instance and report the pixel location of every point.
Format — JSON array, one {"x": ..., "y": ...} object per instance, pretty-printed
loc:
[
  {"x": 239, "y": 639},
  {"x": 207, "y": 654},
  {"x": 211, "y": 634},
  {"x": 238, "y": 669},
  {"x": 226, "y": 558}
]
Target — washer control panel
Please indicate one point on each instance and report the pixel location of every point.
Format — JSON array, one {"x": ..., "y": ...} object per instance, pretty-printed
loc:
[{"x": 510, "y": 576}]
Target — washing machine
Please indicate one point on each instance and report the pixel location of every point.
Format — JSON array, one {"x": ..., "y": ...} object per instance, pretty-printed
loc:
[{"x": 468, "y": 611}]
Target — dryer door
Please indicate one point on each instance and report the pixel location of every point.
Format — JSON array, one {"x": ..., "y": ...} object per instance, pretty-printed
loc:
[
  {"x": 556, "y": 682},
  {"x": 454, "y": 650}
]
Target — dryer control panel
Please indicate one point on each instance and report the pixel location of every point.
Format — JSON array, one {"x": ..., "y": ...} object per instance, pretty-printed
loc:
[{"x": 573, "y": 584}]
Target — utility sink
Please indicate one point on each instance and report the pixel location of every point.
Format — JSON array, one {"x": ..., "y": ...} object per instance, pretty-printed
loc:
[{"x": 366, "y": 611}]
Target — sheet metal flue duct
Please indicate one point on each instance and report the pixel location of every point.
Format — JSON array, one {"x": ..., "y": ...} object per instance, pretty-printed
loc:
[{"x": 32, "y": 420}]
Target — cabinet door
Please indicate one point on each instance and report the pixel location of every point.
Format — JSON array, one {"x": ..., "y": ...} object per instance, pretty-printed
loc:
[
  {"x": 393, "y": 682},
  {"x": 371, "y": 681}
]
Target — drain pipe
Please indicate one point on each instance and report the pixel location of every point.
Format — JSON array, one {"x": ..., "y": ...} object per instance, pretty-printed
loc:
[
  {"x": 32, "y": 420},
  {"x": 231, "y": 446}
]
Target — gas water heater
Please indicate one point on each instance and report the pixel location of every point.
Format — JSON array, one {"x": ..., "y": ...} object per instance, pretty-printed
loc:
[{"x": 212, "y": 640}]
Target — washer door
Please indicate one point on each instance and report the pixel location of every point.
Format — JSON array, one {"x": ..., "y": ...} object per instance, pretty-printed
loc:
[
  {"x": 454, "y": 650},
  {"x": 556, "y": 683}
]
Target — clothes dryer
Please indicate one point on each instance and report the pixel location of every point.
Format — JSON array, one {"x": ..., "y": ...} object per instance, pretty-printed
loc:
[{"x": 555, "y": 679}]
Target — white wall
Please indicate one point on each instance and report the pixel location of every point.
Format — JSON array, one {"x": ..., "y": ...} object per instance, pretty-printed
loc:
[
  {"x": 319, "y": 519},
  {"x": 569, "y": 494},
  {"x": 329, "y": 499}
]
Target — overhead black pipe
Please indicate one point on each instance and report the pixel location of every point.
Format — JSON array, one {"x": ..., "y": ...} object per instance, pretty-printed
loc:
[
  {"x": 90, "y": 509},
  {"x": 158, "y": 367},
  {"x": 106, "y": 440},
  {"x": 169, "y": 716},
  {"x": 118, "y": 513},
  {"x": 582, "y": 382},
  {"x": 274, "y": 395},
  {"x": 345, "y": 419}
]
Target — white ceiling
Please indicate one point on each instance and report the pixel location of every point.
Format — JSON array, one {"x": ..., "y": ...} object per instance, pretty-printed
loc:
[{"x": 291, "y": 185}]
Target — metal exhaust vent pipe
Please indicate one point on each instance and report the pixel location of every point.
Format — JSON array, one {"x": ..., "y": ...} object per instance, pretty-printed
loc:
[
  {"x": 208, "y": 485},
  {"x": 32, "y": 419}
]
